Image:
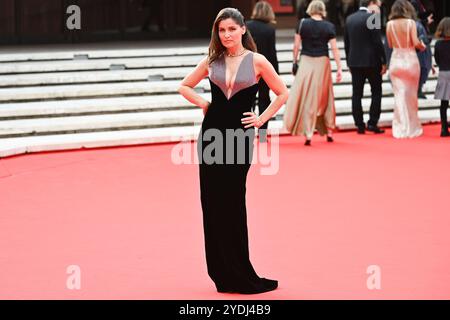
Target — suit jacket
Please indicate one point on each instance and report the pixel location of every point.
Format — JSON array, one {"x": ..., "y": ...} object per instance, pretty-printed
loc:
[
  {"x": 264, "y": 35},
  {"x": 420, "y": 8},
  {"x": 421, "y": 11},
  {"x": 363, "y": 46},
  {"x": 425, "y": 57}
]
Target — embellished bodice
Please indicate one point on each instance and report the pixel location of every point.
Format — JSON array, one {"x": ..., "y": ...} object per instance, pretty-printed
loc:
[
  {"x": 245, "y": 75},
  {"x": 227, "y": 111}
]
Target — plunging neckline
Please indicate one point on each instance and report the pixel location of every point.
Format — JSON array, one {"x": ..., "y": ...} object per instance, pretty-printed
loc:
[
  {"x": 235, "y": 76},
  {"x": 243, "y": 78}
]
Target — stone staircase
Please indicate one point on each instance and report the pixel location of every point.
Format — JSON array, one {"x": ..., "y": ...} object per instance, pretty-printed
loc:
[{"x": 75, "y": 99}]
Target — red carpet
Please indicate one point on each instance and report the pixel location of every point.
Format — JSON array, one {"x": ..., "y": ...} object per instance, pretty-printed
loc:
[{"x": 131, "y": 220}]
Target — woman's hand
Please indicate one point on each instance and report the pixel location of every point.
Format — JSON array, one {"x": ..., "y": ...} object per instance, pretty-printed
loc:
[
  {"x": 422, "y": 46},
  {"x": 337, "y": 58},
  {"x": 339, "y": 75},
  {"x": 294, "y": 68},
  {"x": 430, "y": 19},
  {"x": 205, "y": 107},
  {"x": 252, "y": 120}
]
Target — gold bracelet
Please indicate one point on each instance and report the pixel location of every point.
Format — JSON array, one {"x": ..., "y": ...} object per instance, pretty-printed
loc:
[{"x": 259, "y": 122}]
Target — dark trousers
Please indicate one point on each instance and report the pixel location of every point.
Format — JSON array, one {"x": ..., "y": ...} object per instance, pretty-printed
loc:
[
  {"x": 263, "y": 102},
  {"x": 424, "y": 72},
  {"x": 444, "y": 107},
  {"x": 359, "y": 76}
]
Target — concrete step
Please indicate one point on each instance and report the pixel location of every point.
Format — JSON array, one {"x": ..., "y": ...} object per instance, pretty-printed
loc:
[
  {"x": 148, "y": 74},
  {"x": 342, "y": 91},
  {"x": 107, "y": 64},
  {"x": 75, "y": 53},
  {"x": 80, "y": 77},
  {"x": 11, "y": 128},
  {"x": 346, "y": 122},
  {"x": 150, "y": 50},
  {"x": 132, "y": 120},
  {"x": 94, "y": 106},
  {"x": 169, "y": 102},
  {"x": 14, "y": 146}
]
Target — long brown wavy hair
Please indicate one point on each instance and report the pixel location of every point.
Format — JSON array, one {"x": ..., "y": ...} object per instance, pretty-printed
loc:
[
  {"x": 402, "y": 9},
  {"x": 216, "y": 48}
]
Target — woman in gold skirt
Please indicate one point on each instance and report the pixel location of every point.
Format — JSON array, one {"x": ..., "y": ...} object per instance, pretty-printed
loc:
[{"x": 311, "y": 99}]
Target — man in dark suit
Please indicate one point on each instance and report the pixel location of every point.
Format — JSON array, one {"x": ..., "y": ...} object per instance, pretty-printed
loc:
[
  {"x": 264, "y": 35},
  {"x": 423, "y": 14},
  {"x": 366, "y": 59}
]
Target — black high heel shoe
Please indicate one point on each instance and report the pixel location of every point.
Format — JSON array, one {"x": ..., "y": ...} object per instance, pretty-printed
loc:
[
  {"x": 224, "y": 290},
  {"x": 266, "y": 286},
  {"x": 330, "y": 139},
  {"x": 307, "y": 142}
]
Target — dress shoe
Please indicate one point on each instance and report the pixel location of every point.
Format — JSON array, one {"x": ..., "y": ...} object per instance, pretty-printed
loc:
[
  {"x": 361, "y": 130},
  {"x": 330, "y": 139},
  {"x": 445, "y": 133},
  {"x": 375, "y": 129},
  {"x": 224, "y": 289},
  {"x": 266, "y": 285},
  {"x": 307, "y": 142},
  {"x": 269, "y": 284},
  {"x": 421, "y": 95}
]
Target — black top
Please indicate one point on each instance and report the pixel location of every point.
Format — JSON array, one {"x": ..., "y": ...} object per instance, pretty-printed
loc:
[
  {"x": 442, "y": 54},
  {"x": 363, "y": 46},
  {"x": 315, "y": 35},
  {"x": 264, "y": 35}
]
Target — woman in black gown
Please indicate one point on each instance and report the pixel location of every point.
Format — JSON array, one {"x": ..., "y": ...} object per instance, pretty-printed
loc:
[{"x": 225, "y": 147}]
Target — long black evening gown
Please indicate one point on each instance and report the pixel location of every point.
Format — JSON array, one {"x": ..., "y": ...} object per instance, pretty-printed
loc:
[{"x": 222, "y": 183}]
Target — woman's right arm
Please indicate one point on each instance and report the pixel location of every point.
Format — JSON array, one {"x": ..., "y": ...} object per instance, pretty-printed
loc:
[
  {"x": 297, "y": 43},
  {"x": 418, "y": 44},
  {"x": 337, "y": 58},
  {"x": 188, "y": 84},
  {"x": 297, "y": 48}
]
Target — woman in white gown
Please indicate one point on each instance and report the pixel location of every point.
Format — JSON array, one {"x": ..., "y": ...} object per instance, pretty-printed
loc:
[{"x": 404, "y": 69}]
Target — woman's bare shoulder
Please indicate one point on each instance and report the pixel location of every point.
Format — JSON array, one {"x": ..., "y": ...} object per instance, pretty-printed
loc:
[
  {"x": 204, "y": 62},
  {"x": 259, "y": 59},
  {"x": 204, "y": 65}
]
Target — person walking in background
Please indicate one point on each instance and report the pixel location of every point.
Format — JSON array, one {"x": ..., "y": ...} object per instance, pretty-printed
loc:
[
  {"x": 423, "y": 21},
  {"x": 263, "y": 32},
  {"x": 311, "y": 99},
  {"x": 366, "y": 59},
  {"x": 425, "y": 57},
  {"x": 374, "y": 7},
  {"x": 404, "y": 69},
  {"x": 442, "y": 57},
  {"x": 425, "y": 16}
]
